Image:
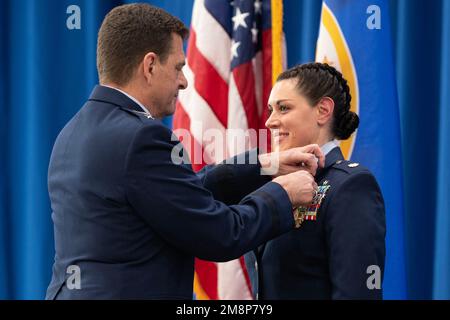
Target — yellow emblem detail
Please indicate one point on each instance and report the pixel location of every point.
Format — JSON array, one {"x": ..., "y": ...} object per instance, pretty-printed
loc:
[{"x": 332, "y": 48}]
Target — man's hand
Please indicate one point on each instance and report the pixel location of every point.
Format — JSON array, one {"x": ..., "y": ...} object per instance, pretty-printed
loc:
[
  {"x": 300, "y": 187},
  {"x": 307, "y": 158}
]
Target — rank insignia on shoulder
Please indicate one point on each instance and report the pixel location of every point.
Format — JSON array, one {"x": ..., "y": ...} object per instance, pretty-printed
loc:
[
  {"x": 310, "y": 212},
  {"x": 353, "y": 165},
  {"x": 339, "y": 162},
  {"x": 142, "y": 113}
]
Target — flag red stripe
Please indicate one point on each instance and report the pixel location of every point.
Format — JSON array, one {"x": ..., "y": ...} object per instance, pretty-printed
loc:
[
  {"x": 267, "y": 72},
  {"x": 208, "y": 82},
  {"x": 245, "y": 83},
  {"x": 207, "y": 276},
  {"x": 181, "y": 120},
  {"x": 267, "y": 79},
  {"x": 211, "y": 86}
]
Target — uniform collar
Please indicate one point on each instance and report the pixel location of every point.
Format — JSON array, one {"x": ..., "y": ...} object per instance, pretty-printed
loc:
[
  {"x": 144, "y": 108},
  {"x": 115, "y": 97},
  {"x": 331, "y": 158},
  {"x": 333, "y": 155},
  {"x": 330, "y": 145}
]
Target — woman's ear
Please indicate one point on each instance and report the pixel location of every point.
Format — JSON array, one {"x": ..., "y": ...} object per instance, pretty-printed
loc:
[{"x": 325, "y": 109}]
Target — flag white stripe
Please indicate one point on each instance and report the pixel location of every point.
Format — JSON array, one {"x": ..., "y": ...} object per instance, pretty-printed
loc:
[
  {"x": 231, "y": 281},
  {"x": 215, "y": 45},
  {"x": 258, "y": 74},
  {"x": 197, "y": 109}
]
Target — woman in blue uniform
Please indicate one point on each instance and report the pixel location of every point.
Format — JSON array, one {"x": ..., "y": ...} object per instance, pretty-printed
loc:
[{"x": 339, "y": 250}]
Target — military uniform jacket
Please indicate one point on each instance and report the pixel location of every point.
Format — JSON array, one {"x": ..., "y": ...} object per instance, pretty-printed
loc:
[
  {"x": 330, "y": 257},
  {"x": 132, "y": 221}
]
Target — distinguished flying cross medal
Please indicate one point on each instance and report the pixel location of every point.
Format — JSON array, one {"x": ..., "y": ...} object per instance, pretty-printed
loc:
[{"x": 310, "y": 212}]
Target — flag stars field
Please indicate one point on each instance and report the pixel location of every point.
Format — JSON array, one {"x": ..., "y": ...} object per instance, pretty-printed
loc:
[
  {"x": 239, "y": 19},
  {"x": 234, "y": 48}
]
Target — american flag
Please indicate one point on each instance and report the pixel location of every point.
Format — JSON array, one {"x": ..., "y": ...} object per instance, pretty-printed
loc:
[{"x": 229, "y": 71}]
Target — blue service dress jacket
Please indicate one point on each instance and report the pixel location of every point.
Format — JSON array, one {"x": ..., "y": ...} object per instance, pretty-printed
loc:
[
  {"x": 338, "y": 255},
  {"x": 131, "y": 220}
]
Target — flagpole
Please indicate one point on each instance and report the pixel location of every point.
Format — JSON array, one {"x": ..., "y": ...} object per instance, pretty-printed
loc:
[{"x": 277, "y": 38}]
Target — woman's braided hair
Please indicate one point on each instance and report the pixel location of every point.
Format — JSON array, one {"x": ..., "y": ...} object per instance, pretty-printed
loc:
[{"x": 317, "y": 80}]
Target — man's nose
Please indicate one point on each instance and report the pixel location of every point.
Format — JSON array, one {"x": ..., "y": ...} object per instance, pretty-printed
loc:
[{"x": 183, "y": 82}]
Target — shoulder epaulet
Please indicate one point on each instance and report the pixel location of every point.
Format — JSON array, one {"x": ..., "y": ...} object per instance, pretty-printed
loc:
[
  {"x": 348, "y": 166},
  {"x": 143, "y": 114},
  {"x": 140, "y": 114}
]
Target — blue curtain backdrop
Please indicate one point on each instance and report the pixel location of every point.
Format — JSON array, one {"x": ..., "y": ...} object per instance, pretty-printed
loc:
[
  {"x": 48, "y": 71},
  {"x": 441, "y": 287}
]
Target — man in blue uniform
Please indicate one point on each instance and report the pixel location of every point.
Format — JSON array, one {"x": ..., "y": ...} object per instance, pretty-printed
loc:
[{"x": 128, "y": 220}]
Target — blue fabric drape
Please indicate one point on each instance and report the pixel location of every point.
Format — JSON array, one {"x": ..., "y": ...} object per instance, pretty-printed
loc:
[
  {"x": 47, "y": 72},
  {"x": 50, "y": 71},
  {"x": 420, "y": 39},
  {"x": 301, "y": 28},
  {"x": 378, "y": 142},
  {"x": 4, "y": 235},
  {"x": 441, "y": 284}
]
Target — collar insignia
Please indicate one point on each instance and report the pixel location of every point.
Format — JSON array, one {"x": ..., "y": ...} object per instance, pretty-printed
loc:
[{"x": 142, "y": 113}]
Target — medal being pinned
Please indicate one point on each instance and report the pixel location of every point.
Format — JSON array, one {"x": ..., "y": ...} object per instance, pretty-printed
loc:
[{"x": 310, "y": 212}]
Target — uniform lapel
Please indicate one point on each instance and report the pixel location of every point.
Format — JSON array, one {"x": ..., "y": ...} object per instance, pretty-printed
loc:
[{"x": 330, "y": 159}]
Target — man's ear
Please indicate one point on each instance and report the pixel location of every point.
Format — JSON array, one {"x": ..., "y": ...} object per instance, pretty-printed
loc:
[
  {"x": 148, "y": 65},
  {"x": 325, "y": 109}
]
